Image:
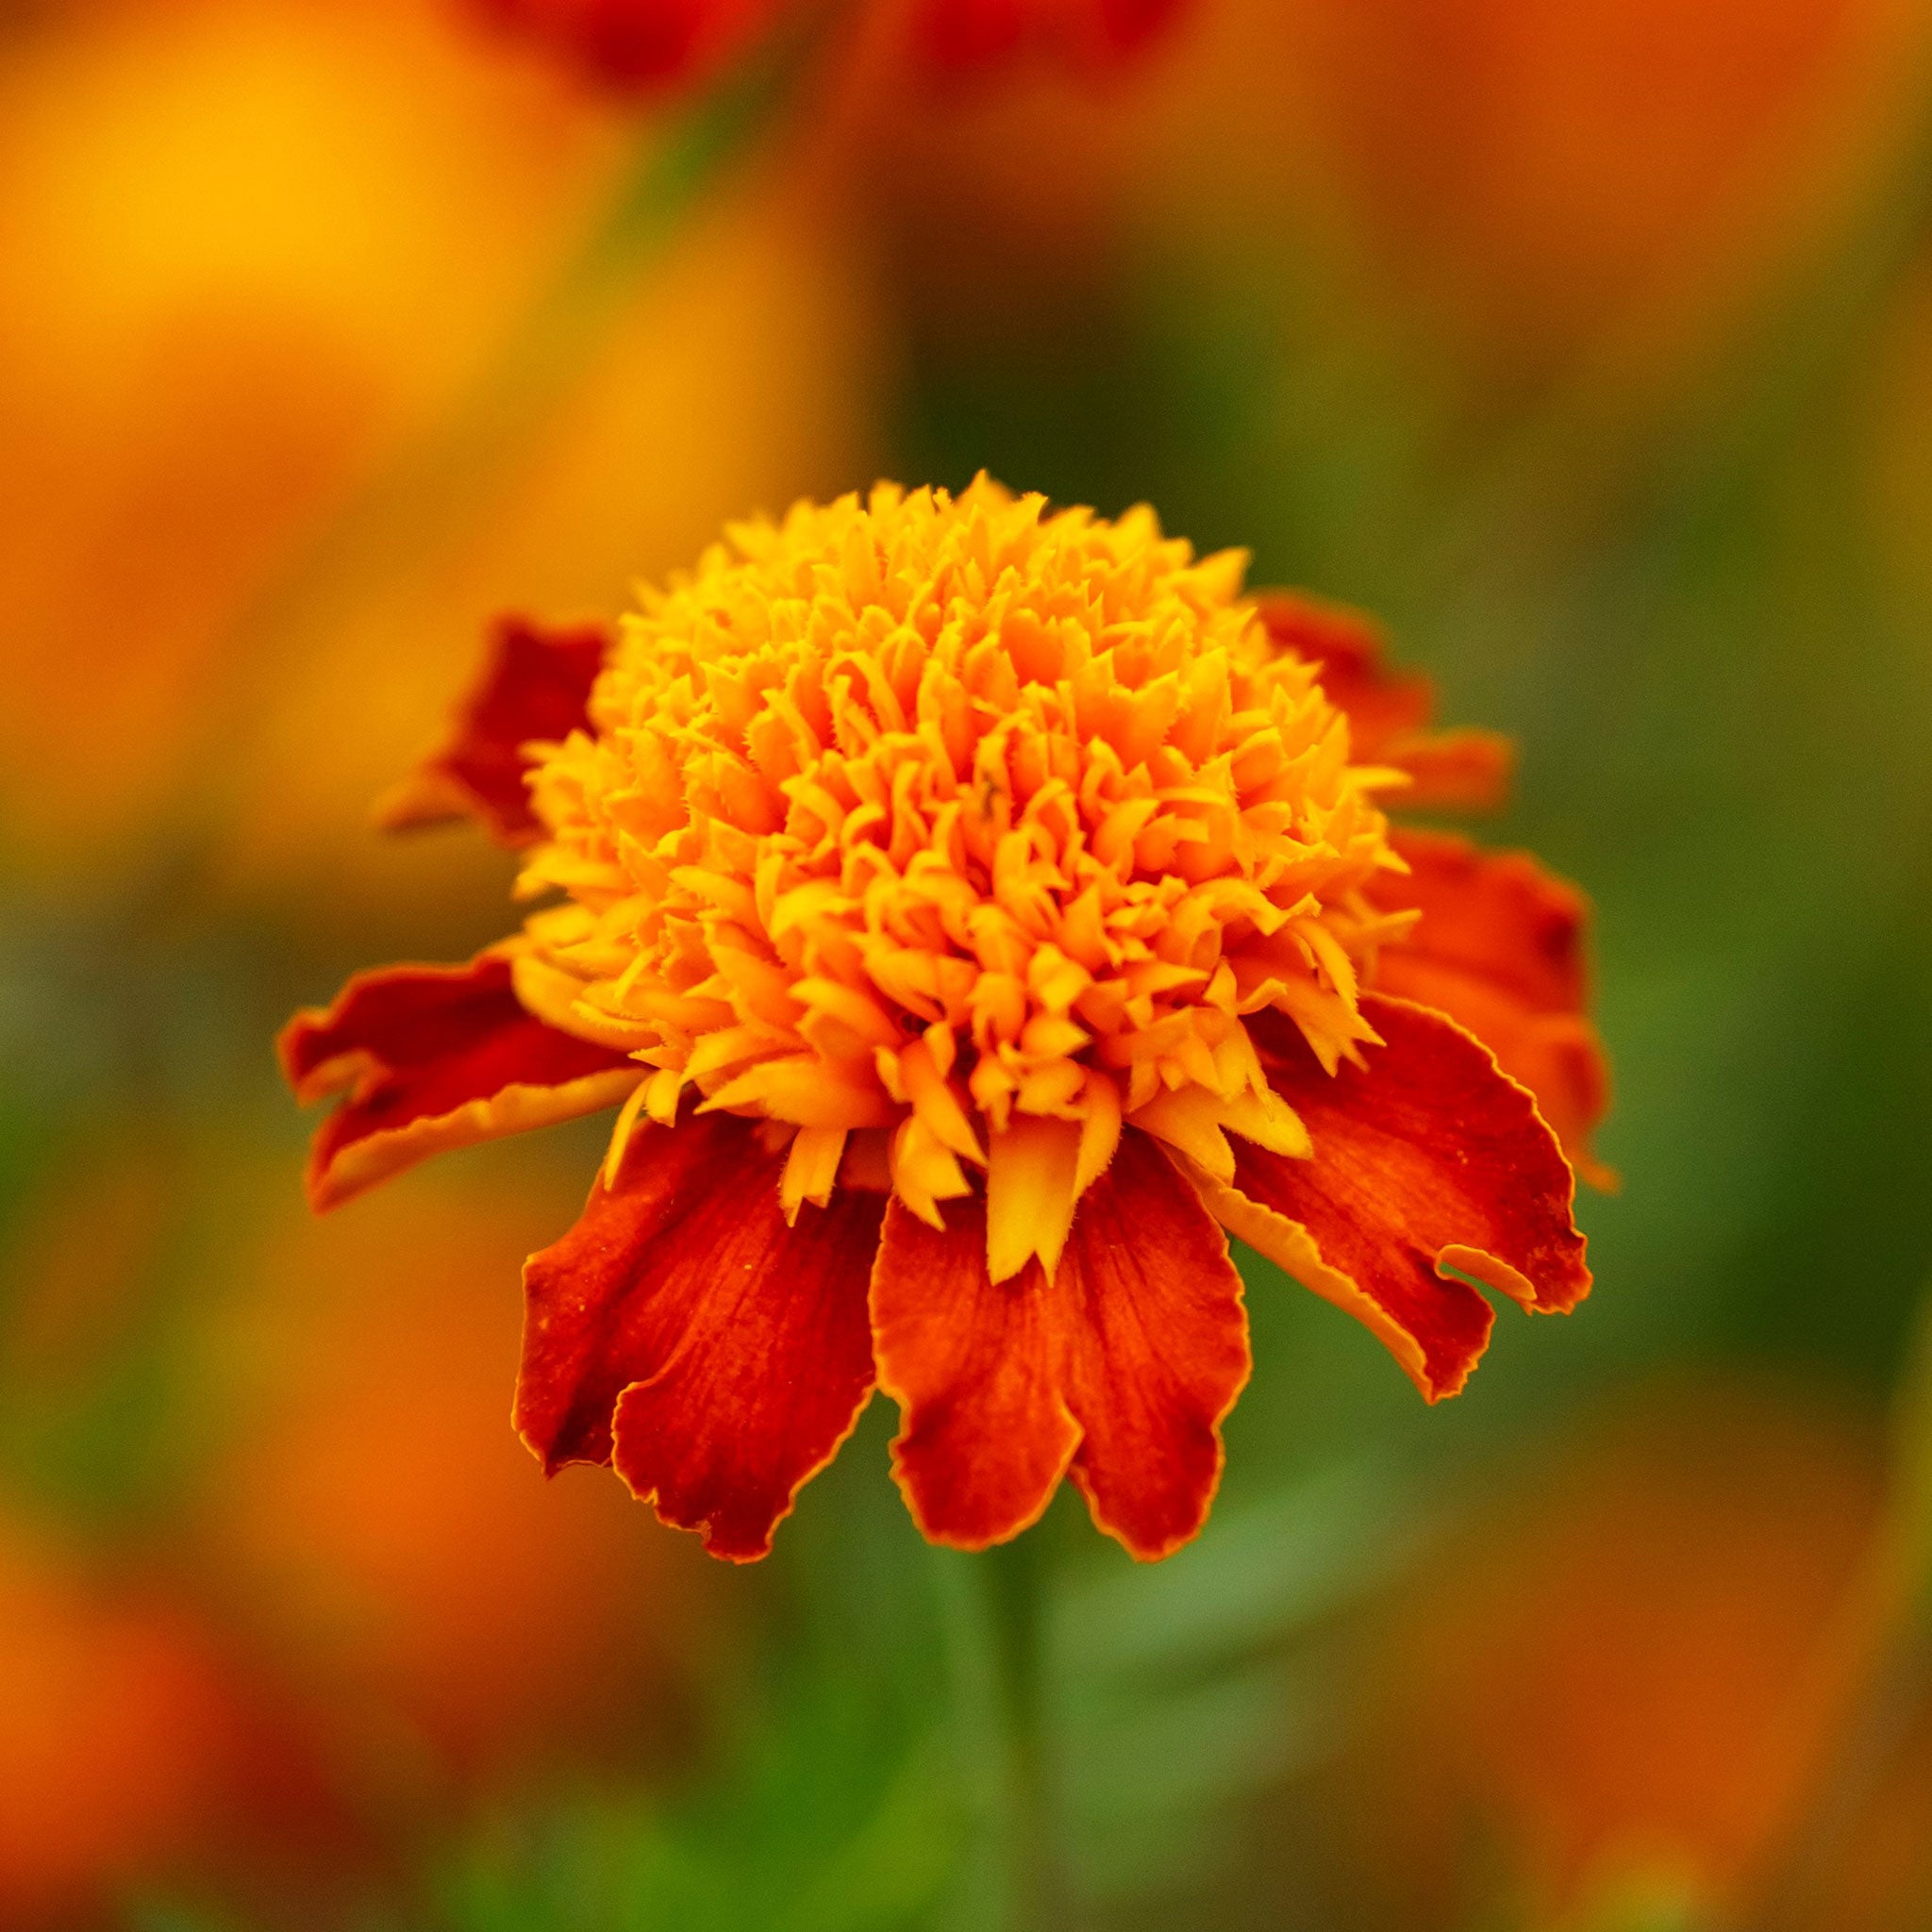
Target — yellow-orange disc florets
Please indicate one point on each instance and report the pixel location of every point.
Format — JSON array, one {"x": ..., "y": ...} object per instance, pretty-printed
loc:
[{"x": 951, "y": 834}]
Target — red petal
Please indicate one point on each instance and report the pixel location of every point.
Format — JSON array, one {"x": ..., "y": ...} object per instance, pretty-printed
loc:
[
  {"x": 535, "y": 686},
  {"x": 1426, "y": 1158},
  {"x": 1161, "y": 1354},
  {"x": 1461, "y": 771},
  {"x": 683, "y": 1332},
  {"x": 1500, "y": 949},
  {"x": 433, "y": 1058},
  {"x": 1350, "y": 649},
  {"x": 974, "y": 1367},
  {"x": 1123, "y": 1366}
]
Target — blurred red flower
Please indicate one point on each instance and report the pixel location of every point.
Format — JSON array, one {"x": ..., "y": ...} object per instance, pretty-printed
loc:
[{"x": 633, "y": 46}]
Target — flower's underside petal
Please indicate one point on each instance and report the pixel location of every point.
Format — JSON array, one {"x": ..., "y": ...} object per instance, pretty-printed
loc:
[
  {"x": 535, "y": 686},
  {"x": 1122, "y": 1368},
  {"x": 1468, "y": 769},
  {"x": 432, "y": 1058},
  {"x": 684, "y": 1333},
  {"x": 1388, "y": 711},
  {"x": 1426, "y": 1158},
  {"x": 1500, "y": 949}
]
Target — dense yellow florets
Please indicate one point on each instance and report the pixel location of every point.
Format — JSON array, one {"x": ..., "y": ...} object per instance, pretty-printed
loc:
[{"x": 951, "y": 834}]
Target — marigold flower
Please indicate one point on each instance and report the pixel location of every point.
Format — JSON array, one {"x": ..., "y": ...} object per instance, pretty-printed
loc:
[{"x": 977, "y": 911}]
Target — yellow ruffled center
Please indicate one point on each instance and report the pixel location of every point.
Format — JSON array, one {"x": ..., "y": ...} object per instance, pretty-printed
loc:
[{"x": 950, "y": 835}]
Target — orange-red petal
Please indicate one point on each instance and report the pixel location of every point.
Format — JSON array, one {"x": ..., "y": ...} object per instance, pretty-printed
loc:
[
  {"x": 974, "y": 1365},
  {"x": 1121, "y": 1368},
  {"x": 1388, "y": 711},
  {"x": 431, "y": 1058},
  {"x": 1428, "y": 1159},
  {"x": 683, "y": 1332},
  {"x": 535, "y": 686},
  {"x": 1162, "y": 1350},
  {"x": 1500, "y": 949}
]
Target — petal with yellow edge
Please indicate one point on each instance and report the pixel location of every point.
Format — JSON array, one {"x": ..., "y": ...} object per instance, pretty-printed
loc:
[
  {"x": 1118, "y": 1368},
  {"x": 534, "y": 690},
  {"x": 1426, "y": 1158},
  {"x": 684, "y": 1332},
  {"x": 431, "y": 1058},
  {"x": 1161, "y": 1350},
  {"x": 974, "y": 1366}
]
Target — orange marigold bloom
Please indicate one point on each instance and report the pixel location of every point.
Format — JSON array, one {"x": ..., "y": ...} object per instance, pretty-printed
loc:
[{"x": 978, "y": 910}]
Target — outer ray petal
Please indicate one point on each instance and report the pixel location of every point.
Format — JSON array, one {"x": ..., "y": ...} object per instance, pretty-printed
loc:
[
  {"x": 974, "y": 1364},
  {"x": 1161, "y": 1350},
  {"x": 1388, "y": 711},
  {"x": 682, "y": 1331},
  {"x": 1500, "y": 949},
  {"x": 1426, "y": 1158},
  {"x": 432, "y": 1058},
  {"x": 535, "y": 686},
  {"x": 1122, "y": 1367}
]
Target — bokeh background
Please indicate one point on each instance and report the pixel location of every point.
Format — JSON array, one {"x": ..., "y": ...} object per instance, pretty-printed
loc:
[{"x": 1590, "y": 345}]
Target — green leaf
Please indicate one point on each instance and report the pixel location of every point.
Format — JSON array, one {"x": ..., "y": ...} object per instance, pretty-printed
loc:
[
  {"x": 1185, "y": 1689},
  {"x": 832, "y": 1823}
]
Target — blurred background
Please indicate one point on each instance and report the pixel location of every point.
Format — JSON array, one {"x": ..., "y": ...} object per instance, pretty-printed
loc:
[{"x": 1590, "y": 345}]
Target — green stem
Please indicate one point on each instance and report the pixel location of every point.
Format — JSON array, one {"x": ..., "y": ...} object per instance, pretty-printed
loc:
[{"x": 998, "y": 1604}]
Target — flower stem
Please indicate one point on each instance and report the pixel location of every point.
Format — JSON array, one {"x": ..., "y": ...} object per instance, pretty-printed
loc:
[{"x": 998, "y": 1604}]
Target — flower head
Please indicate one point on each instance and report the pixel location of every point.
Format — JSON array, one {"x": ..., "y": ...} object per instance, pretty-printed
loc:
[
  {"x": 977, "y": 909},
  {"x": 967, "y": 828}
]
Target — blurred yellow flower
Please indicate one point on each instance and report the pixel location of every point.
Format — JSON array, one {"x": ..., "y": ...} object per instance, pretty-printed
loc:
[{"x": 240, "y": 264}]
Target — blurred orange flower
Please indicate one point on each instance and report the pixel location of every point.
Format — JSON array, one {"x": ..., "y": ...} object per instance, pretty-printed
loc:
[
  {"x": 1543, "y": 175},
  {"x": 439, "y": 1616},
  {"x": 129, "y": 1747},
  {"x": 935, "y": 839},
  {"x": 1596, "y": 1691}
]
